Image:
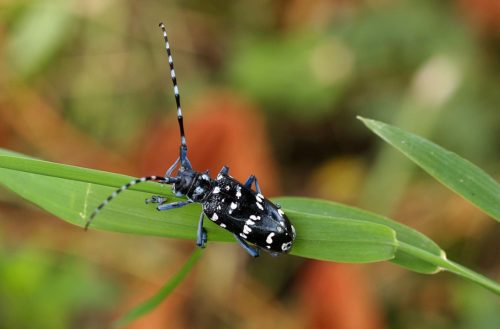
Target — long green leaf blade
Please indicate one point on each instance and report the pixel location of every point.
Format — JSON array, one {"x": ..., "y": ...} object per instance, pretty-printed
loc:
[
  {"x": 458, "y": 174},
  {"x": 71, "y": 193},
  {"x": 403, "y": 233}
]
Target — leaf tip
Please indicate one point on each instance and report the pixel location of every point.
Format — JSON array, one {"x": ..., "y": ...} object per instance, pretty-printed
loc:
[
  {"x": 370, "y": 123},
  {"x": 366, "y": 121}
]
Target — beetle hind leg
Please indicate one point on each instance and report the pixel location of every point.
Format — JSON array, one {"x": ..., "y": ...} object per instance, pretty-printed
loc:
[
  {"x": 201, "y": 235},
  {"x": 254, "y": 252}
]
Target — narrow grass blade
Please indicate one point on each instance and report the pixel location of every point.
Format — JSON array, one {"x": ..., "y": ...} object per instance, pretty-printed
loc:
[
  {"x": 150, "y": 304},
  {"x": 458, "y": 174},
  {"x": 19, "y": 162},
  {"x": 71, "y": 193},
  {"x": 452, "y": 267}
]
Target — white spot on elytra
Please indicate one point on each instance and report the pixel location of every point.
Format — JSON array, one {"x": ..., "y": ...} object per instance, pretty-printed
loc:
[
  {"x": 268, "y": 247},
  {"x": 269, "y": 238},
  {"x": 216, "y": 190},
  {"x": 254, "y": 217},
  {"x": 259, "y": 206},
  {"x": 234, "y": 205},
  {"x": 222, "y": 225},
  {"x": 238, "y": 194},
  {"x": 219, "y": 207},
  {"x": 250, "y": 222},
  {"x": 244, "y": 236},
  {"x": 214, "y": 217},
  {"x": 246, "y": 229}
]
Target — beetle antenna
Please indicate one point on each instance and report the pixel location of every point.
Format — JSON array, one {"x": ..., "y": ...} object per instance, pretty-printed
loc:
[
  {"x": 183, "y": 151},
  {"x": 165, "y": 180}
]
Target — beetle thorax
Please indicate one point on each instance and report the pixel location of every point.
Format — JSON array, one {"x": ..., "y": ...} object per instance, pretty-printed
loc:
[{"x": 193, "y": 185}]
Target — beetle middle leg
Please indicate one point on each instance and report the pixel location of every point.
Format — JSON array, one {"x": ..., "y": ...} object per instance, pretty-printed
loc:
[
  {"x": 252, "y": 179},
  {"x": 224, "y": 170}
]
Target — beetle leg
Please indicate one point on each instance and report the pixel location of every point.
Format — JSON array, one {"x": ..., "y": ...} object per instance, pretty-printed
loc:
[
  {"x": 172, "y": 167},
  {"x": 201, "y": 235},
  {"x": 224, "y": 170},
  {"x": 254, "y": 252},
  {"x": 173, "y": 205},
  {"x": 252, "y": 179}
]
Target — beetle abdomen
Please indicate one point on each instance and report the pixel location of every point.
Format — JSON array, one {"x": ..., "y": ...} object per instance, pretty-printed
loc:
[{"x": 248, "y": 214}]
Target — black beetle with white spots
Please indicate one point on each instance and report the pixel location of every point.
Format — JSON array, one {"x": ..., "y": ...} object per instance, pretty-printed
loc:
[{"x": 255, "y": 222}]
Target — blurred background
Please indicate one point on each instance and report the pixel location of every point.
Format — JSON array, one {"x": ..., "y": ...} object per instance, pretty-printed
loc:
[{"x": 270, "y": 88}]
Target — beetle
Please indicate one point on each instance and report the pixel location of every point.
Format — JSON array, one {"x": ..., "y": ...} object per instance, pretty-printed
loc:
[{"x": 256, "y": 222}]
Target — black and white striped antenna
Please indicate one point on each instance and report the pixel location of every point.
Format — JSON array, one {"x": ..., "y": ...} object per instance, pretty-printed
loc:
[
  {"x": 177, "y": 96},
  {"x": 166, "y": 180}
]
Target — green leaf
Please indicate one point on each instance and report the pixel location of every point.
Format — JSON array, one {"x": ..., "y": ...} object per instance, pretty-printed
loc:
[
  {"x": 458, "y": 174},
  {"x": 325, "y": 230},
  {"x": 71, "y": 193},
  {"x": 340, "y": 239},
  {"x": 148, "y": 305},
  {"x": 403, "y": 233}
]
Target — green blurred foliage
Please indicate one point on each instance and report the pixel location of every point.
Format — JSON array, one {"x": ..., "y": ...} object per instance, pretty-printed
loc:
[
  {"x": 38, "y": 32},
  {"x": 41, "y": 289},
  {"x": 315, "y": 74},
  {"x": 477, "y": 308}
]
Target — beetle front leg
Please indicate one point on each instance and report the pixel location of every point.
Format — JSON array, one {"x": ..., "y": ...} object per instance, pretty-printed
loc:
[
  {"x": 156, "y": 199},
  {"x": 173, "y": 205}
]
